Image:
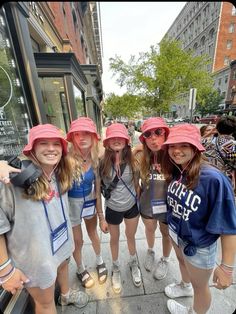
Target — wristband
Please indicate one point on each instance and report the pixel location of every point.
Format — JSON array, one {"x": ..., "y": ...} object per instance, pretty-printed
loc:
[
  {"x": 11, "y": 275},
  {"x": 4, "y": 265}
]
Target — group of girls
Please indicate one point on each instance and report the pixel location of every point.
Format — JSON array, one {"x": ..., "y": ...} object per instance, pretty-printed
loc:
[{"x": 164, "y": 181}]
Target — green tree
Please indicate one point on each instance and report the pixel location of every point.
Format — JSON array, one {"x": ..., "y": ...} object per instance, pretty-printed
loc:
[
  {"x": 121, "y": 106},
  {"x": 208, "y": 102},
  {"x": 159, "y": 76}
]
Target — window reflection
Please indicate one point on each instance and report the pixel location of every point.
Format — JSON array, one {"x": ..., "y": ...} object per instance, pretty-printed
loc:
[
  {"x": 55, "y": 101},
  {"x": 79, "y": 103},
  {"x": 14, "y": 116}
]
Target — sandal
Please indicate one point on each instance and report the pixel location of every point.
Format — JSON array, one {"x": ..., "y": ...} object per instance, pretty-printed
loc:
[
  {"x": 102, "y": 272},
  {"x": 86, "y": 279}
]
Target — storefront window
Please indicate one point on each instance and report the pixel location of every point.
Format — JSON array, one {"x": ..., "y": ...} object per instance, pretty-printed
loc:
[
  {"x": 14, "y": 116},
  {"x": 79, "y": 103},
  {"x": 55, "y": 101}
]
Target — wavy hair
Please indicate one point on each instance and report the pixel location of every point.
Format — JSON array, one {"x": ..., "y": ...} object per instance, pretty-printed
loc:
[{"x": 41, "y": 188}]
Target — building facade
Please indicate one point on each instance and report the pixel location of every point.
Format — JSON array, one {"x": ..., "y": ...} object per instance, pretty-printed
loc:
[
  {"x": 209, "y": 28},
  {"x": 50, "y": 61}
]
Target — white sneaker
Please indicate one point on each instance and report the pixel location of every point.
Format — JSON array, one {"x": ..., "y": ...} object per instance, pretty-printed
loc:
[
  {"x": 135, "y": 272},
  {"x": 177, "y": 308},
  {"x": 76, "y": 297},
  {"x": 149, "y": 260},
  {"x": 177, "y": 290},
  {"x": 161, "y": 269},
  {"x": 116, "y": 279}
]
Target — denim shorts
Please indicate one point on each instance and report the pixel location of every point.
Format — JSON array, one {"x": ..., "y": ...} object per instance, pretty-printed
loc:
[{"x": 204, "y": 258}]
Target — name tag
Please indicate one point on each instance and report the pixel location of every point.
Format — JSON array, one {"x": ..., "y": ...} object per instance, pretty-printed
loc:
[
  {"x": 173, "y": 235},
  {"x": 158, "y": 206},
  {"x": 88, "y": 208},
  {"x": 58, "y": 237}
]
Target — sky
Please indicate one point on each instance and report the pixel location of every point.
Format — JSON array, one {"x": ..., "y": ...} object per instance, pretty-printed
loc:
[{"x": 129, "y": 28}]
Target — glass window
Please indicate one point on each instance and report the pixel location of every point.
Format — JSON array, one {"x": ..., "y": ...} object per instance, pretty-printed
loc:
[
  {"x": 55, "y": 101},
  {"x": 231, "y": 28},
  {"x": 233, "y": 10},
  {"x": 15, "y": 120},
  {"x": 79, "y": 103},
  {"x": 229, "y": 44}
]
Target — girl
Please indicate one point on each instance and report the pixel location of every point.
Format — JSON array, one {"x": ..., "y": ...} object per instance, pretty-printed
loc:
[
  {"x": 120, "y": 202},
  {"x": 201, "y": 209},
  {"x": 35, "y": 232},
  {"x": 85, "y": 195},
  {"x": 153, "y": 192}
]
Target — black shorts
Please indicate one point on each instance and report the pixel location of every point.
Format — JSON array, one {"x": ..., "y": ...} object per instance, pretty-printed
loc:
[
  {"x": 159, "y": 217},
  {"x": 115, "y": 218}
]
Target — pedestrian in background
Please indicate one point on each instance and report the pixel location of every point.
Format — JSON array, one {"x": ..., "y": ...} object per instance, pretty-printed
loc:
[
  {"x": 201, "y": 210},
  {"x": 121, "y": 203},
  {"x": 36, "y": 238},
  {"x": 153, "y": 206},
  {"x": 85, "y": 196},
  {"x": 131, "y": 131}
]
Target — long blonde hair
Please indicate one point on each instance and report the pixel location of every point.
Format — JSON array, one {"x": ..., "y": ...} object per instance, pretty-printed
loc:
[
  {"x": 76, "y": 158},
  {"x": 64, "y": 176}
]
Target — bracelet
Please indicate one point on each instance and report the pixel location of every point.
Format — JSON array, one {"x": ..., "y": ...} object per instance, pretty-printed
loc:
[
  {"x": 228, "y": 265},
  {"x": 7, "y": 274},
  {"x": 4, "y": 265},
  {"x": 228, "y": 273},
  {"x": 11, "y": 275}
]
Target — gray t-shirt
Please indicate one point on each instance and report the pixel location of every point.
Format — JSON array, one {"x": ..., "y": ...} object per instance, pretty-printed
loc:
[
  {"x": 121, "y": 198},
  {"x": 27, "y": 232}
]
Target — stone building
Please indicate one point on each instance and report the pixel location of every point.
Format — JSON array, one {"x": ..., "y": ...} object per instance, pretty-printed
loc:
[{"x": 208, "y": 28}]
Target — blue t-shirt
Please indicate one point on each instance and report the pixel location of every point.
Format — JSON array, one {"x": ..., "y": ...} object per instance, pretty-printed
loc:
[
  {"x": 201, "y": 215},
  {"x": 83, "y": 187}
]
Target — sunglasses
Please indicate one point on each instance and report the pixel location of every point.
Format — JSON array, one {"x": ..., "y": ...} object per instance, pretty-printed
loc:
[{"x": 157, "y": 132}]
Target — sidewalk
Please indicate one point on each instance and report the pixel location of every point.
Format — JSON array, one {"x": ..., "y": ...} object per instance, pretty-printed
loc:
[{"x": 150, "y": 297}]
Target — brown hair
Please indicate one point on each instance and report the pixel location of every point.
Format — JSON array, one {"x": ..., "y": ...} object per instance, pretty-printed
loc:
[
  {"x": 109, "y": 158},
  {"x": 192, "y": 172}
]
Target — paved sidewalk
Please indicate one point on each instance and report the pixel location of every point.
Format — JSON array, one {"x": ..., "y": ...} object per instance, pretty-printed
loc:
[{"x": 150, "y": 297}]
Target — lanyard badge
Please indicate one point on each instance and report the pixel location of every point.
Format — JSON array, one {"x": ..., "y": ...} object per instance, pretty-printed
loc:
[
  {"x": 158, "y": 206},
  {"x": 58, "y": 237},
  {"x": 89, "y": 208}
]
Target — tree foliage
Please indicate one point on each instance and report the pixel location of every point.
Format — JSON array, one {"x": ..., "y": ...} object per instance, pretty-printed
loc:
[
  {"x": 159, "y": 76},
  {"x": 208, "y": 102}
]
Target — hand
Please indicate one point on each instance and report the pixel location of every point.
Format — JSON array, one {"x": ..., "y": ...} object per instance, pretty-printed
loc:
[
  {"x": 221, "y": 279},
  {"x": 16, "y": 282},
  {"x": 103, "y": 226},
  {"x": 5, "y": 171}
]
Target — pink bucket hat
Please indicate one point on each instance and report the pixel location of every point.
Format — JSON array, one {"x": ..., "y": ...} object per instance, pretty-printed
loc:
[
  {"x": 44, "y": 131},
  {"x": 82, "y": 124},
  {"x": 185, "y": 133},
  {"x": 153, "y": 123},
  {"x": 116, "y": 130}
]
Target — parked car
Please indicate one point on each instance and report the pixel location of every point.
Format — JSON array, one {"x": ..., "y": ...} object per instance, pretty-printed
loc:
[{"x": 209, "y": 119}]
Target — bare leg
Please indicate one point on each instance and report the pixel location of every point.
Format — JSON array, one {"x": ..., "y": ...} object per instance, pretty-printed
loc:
[
  {"x": 182, "y": 265},
  {"x": 200, "y": 282},
  {"x": 150, "y": 228},
  {"x": 166, "y": 240},
  {"x": 78, "y": 239},
  {"x": 91, "y": 226},
  {"x": 130, "y": 231},
  {"x": 63, "y": 277},
  {"x": 114, "y": 240},
  {"x": 43, "y": 299}
]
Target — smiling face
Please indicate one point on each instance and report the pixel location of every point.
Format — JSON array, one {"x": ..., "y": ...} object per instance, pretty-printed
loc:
[
  {"x": 181, "y": 153},
  {"x": 48, "y": 151},
  {"x": 117, "y": 143},
  {"x": 155, "y": 141},
  {"x": 83, "y": 140}
]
